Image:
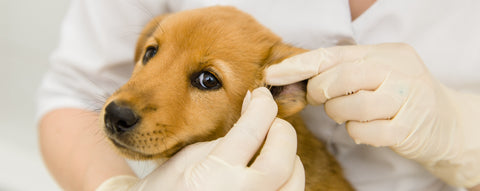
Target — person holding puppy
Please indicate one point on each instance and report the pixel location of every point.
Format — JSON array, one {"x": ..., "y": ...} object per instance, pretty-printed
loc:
[{"x": 416, "y": 100}]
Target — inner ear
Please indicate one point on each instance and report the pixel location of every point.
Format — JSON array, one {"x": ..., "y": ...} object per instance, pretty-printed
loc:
[{"x": 291, "y": 98}]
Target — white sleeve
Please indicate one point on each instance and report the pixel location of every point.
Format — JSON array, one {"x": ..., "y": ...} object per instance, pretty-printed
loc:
[{"x": 95, "y": 53}]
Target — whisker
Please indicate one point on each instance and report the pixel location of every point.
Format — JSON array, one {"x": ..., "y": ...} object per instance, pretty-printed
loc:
[
  {"x": 140, "y": 6},
  {"x": 163, "y": 139}
]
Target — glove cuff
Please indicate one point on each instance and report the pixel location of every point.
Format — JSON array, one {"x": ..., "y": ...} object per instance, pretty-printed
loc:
[
  {"x": 464, "y": 169},
  {"x": 118, "y": 183}
]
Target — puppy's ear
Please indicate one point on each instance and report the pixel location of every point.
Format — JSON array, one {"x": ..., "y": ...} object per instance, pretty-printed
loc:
[
  {"x": 147, "y": 31},
  {"x": 291, "y": 98}
]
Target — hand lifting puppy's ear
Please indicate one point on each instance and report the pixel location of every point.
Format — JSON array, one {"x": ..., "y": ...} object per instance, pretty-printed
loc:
[{"x": 290, "y": 98}]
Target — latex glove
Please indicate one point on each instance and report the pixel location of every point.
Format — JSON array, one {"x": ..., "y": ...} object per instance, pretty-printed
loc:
[
  {"x": 222, "y": 164},
  {"x": 387, "y": 97}
]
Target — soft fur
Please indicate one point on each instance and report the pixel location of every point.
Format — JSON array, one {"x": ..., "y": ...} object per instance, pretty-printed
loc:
[{"x": 173, "y": 113}]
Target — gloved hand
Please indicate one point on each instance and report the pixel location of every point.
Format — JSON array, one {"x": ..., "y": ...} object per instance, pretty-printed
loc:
[
  {"x": 222, "y": 164},
  {"x": 387, "y": 97}
]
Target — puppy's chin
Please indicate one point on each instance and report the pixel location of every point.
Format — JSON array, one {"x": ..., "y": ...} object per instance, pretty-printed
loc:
[{"x": 134, "y": 154}]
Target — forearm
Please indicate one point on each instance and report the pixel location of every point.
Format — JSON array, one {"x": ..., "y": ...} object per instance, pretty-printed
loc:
[
  {"x": 76, "y": 151},
  {"x": 468, "y": 111},
  {"x": 475, "y": 188}
]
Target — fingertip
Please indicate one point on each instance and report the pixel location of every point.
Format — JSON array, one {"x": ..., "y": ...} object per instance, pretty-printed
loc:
[
  {"x": 293, "y": 69},
  {"x": 285, "y": 132},
  {"x": 262, "y": 91},
  {"x": 283, "y": 126},
  {"x": 356, "y": 132},
  {"x": 262, "y": 94},
  {"x": 378, "y": 133},
  {"x": 334, "y": 112},
  {"x": 316, "y": 94},
  {"x": 282, "y": 122},
  {"x": 277, "y": 74}
]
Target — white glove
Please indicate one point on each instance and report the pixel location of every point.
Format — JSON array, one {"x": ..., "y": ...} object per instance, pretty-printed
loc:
[
  {"x": 222, "y": 164},
  {"x": 387, "y": 97}
]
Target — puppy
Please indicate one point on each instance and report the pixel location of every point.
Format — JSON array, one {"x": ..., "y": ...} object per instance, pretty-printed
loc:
[{"x": 192, "y": 71}]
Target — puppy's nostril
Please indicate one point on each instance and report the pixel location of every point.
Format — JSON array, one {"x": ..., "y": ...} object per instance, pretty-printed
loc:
[{"x": 119, "y": 118}]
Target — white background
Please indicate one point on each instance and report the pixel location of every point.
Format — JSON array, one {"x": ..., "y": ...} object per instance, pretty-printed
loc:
[{"x": 28, "y": 33}]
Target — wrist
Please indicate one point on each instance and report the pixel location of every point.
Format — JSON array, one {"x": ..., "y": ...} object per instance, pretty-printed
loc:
[
  {"x": 468, "y": 112},
  {"x": 463, "y": 168},
  {"x": 445, "y": 139},
  {"x": 475, "y": 188}
]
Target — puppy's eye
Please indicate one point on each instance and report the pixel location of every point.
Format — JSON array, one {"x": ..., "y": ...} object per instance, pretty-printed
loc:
[
  {"x": 149, "y": 54},
  {"x": 206, "y": 81}
]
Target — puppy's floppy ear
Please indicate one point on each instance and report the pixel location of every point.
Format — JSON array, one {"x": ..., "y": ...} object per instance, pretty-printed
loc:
[
  {"x": 291, "y": 98},
  {"x": 147, "y": 31}
]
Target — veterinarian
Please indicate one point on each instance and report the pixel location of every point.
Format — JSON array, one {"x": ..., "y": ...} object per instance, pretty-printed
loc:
[{"x": 398, "y": 111}]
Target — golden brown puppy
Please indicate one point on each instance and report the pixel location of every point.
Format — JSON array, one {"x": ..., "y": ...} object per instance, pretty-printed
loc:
[{"x": 192, "y": 71}]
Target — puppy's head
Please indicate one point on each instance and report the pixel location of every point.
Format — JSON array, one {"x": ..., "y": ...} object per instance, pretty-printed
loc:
[{"x": 192, "y": 71}]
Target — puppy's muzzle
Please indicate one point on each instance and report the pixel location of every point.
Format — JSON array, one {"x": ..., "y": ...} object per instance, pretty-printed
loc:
[{"x": 119, "y": 119}]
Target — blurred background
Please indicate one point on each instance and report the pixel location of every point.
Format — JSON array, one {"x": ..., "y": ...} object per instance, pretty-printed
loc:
[{"x": 28, "y": 33}]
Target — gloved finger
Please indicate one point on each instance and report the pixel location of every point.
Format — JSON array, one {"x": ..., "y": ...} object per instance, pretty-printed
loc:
[
  {"x": 309, "y": 64},
  {"x": 276, "y": 161},
  {"x": 297, "y": 180},
  {"x": 120, "y": 183},
  {"x": 277, "y": 157},
  {"x": 378, "y": 133},
  {"x": 192, "y": 153},
  {"x": 247, "y": 135},
  {"x": 177, "y": 165},
  {"x": 364, "y": 106},
  {"x": 344, "y": 80}
]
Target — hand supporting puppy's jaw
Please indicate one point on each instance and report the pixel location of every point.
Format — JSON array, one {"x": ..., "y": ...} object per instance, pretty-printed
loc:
[{"x": 222, "y": 164}]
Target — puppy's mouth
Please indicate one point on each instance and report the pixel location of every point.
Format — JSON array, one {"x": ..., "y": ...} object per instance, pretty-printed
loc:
[{"x": 133, "y": 153}]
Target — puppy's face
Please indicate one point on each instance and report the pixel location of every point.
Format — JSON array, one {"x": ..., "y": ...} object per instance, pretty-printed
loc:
[{"x": 192, "y": 71}]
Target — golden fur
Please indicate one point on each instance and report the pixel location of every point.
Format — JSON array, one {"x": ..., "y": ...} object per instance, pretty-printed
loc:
[{"x": 236, "y": 49}]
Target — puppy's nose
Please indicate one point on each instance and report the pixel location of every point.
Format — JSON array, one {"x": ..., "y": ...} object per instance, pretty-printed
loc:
[{"x": 119, "y": 119}]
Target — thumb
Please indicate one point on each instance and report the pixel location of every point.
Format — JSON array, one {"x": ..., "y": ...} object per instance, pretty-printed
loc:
[
  {"x": 309, "y": 64},
  {"x": 174, "y": 168},
  {"x": 192, "y": 153}
]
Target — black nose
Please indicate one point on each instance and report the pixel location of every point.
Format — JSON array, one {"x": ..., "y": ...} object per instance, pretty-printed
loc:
[{"x": 119, "y": 119}]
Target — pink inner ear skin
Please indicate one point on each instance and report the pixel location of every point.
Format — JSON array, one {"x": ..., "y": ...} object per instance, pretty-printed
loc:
[
  {"x": 290, "y": 89},
  {"x": 290, "y": 99}
]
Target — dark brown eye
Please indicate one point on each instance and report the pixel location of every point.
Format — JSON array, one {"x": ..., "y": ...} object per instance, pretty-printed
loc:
[
  {"x": 149, "y": 54},
  {"x": 206, "y": 81}
]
